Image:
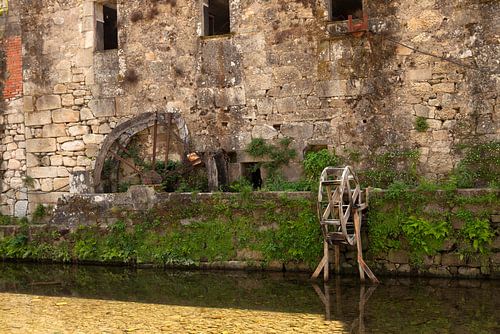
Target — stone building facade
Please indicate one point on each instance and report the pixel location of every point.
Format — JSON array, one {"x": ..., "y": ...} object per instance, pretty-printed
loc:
[{"x": 80, "y": 75}]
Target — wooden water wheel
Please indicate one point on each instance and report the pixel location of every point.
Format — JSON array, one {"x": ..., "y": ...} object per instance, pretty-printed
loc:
[{"x": 340, "y": 205}]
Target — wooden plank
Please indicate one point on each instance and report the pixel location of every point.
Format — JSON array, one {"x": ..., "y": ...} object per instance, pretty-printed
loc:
[
  {"x": 326, "y": 269},
  {"x": 357, "y": 229},
  {"x": 319, "y": 267}
]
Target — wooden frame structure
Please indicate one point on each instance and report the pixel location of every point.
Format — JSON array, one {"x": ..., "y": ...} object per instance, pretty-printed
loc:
[{"x": 340, "y": 206}]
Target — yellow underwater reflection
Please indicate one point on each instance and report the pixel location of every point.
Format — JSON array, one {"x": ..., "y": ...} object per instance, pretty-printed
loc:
[{"x": 41, "y": 314}]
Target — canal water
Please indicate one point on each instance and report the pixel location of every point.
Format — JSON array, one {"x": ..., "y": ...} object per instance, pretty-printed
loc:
[{"x": 87, "y": 299}]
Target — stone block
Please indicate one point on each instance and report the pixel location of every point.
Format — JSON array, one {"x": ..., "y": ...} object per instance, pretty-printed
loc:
[
  {"x": 28, "y": 103},
  {"x": 48, "y": 102},
  {"x": 83, "y": 161},
  {"x": 93, "y": 139},
  {"x": 421, "y": 74},
  {"x": 104, "y": 128},
  {"x": 60, "y": 89},
  {"x": 286, "y": 105},
  {"x": 286, "y": 74},
  {"x": 102, "y": 107},
  {"x": 46, "y": 185},
  {"x": 15, "y": 118},
  {"x": 21, "y": 209},
  {"x": 232, "y": 96},
  {"x": 86, "y": 114},
  {"x": 56, "y": 160},
  {"x": 264, "y": 131},
  {"x": 41, "y": 198},
  {"x": 40, "y": 145},
  {"x": 38, "y": 118},
  {"x": 31, "y": 160},
  {"x": 61, "y": 183},
  {"x": 75, "y": 145},
  {"x": 297, "y": 130},
  {"x": 445, "y": 87},
  {"x": 65, "y": 116},
  {"x": 398, "y": 256},
  {"x": 14, "y": 164},
  {"x": 421, "y": 111},
  {"x": 78, "y": 130},
  {"x": 54, "y": 130},
  {"x": 69, "y": 162},
  {"x": 451, "y": 259},
  {"x": 469, "y": 272},
  {"x": 42, "y": 172},
  {"x": 333, "y": 88},
  {"x": 440, "y": 135},
  {"x": 445, "y": 114},
  {"x": 67, "y": 100},
  {"x": 20, "y": 154},
  {"x": 265, "y": 106}
]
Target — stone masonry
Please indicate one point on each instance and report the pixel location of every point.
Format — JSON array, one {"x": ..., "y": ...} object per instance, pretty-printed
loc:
[{"x": 284, "y": 70}]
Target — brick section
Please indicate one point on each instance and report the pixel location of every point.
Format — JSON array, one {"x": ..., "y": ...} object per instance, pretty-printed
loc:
[{"x": 14, "y": 66}]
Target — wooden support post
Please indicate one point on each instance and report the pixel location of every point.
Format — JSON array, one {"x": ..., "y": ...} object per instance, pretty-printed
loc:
[
  {"x": 167, "y": 147},
  {"x": 155, "y": 134},
  {"x": 326, "y": 268},
  {"x": 357, "y": 230},
  {"x": 323, "y": 264}
]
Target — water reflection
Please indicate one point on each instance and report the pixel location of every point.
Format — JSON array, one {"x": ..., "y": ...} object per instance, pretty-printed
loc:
[
  {"x": 398, "y": 305},
  {"x": 335, "y": 307}
]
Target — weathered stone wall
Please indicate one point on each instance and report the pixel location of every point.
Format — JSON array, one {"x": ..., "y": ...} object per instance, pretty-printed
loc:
[
  {"x": 285, "y": 70},
  {"x": 265, "y": 230}
]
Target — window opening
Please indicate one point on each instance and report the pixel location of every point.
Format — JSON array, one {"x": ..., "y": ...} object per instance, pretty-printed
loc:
[
  {"x": 216, "y": 17},
  {"x": 341, "y": 9},
  {"x": 106, "y": 27}
]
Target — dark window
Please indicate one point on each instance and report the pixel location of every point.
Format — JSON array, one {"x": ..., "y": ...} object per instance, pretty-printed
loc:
[
  {"x": 216, "y": 18},
  {"x": 341, "y": 9},
  {"x": 110, "y": 28},
  {"x": 106, "y": 27}
]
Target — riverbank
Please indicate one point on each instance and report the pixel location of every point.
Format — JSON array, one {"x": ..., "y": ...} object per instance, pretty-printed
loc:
[
  {"x": 424, "y": 232},
  {"x": 114, "y": 299}
]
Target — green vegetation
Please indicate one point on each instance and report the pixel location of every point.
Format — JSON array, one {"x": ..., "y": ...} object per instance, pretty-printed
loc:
[
  {"x": 183, "y": 234},
  {"x": 421, "y": 124},
  {"x": 420, "y": 220},
  {"x": 277, "y": 155},
  {"x": 476, "y": 233},
  {"x": 480, "y": 166},
  {"x": 397, "y": 165},
  {"x": 424, "y": 237},
  {"x": 315, "y": 162}
]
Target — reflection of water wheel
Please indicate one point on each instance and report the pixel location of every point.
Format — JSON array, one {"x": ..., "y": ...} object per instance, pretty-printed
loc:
[{"x": 340, "y": 203}]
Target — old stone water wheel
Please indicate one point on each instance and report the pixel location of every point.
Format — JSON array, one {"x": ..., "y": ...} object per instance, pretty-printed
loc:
[{"x": 117, "y": 141}]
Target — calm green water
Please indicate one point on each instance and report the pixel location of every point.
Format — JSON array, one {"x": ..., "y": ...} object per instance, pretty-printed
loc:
[{"x": 395, "y": 306}]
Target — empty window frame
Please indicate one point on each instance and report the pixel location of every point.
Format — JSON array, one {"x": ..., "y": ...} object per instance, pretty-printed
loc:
[
  {"x": 106, "y": 26},
  {"x": 216, "y": 17},
  {"x": 341, "y": 9}
]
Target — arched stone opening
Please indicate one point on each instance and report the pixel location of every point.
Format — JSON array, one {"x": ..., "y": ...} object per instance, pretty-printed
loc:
[{"x": 121, "y": 136}]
